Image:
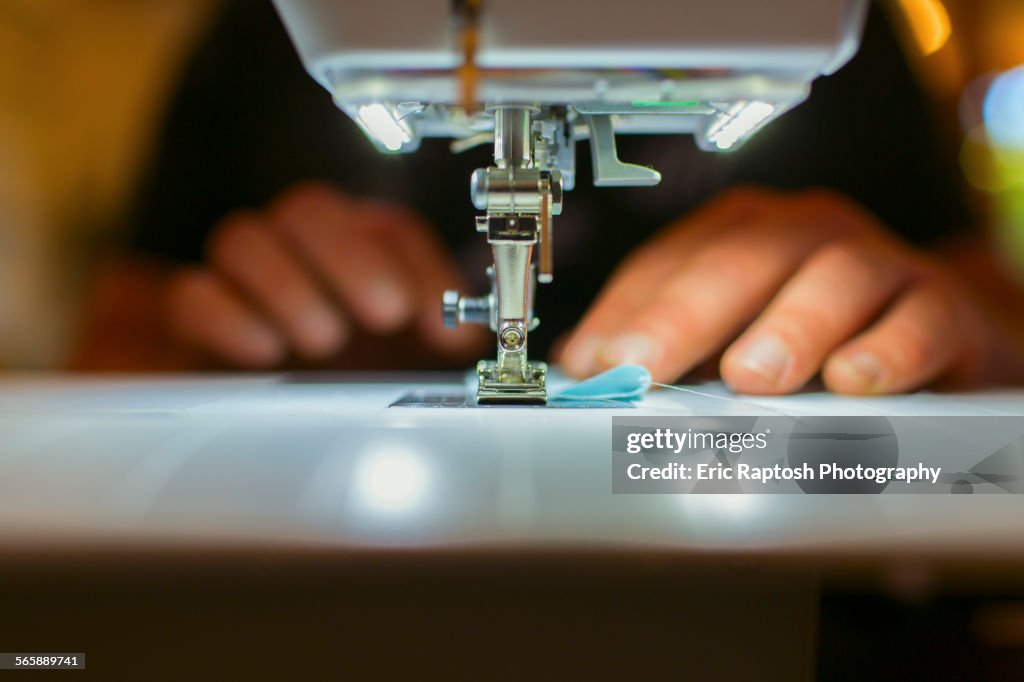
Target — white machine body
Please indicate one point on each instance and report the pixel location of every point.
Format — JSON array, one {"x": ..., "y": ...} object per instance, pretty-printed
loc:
[{"x": 658, "y": 66}]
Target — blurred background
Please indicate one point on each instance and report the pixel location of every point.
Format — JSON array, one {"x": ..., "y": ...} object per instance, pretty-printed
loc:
[{"x": 83, "y": 87}]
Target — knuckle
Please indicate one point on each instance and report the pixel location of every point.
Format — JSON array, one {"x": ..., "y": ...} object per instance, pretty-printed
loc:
[
  {"x": 801, "y": 326},
  {"x": 668, "y": 323},
  {"x": 941, "y": 299},
  {"x": 732, "y": 261},
  {"x": 914, "y": 350},
  {"x": 308, "y": 193},
  {"x": 393, "y": 220},
  {"x": 305, "y": 203},
  {"x": 640, "y": 259},
  {"x": 231, "y": 240},
  {"x": 679, "y": 315},
  {"x": 935, "y": 275},
  {"x": 947, "y": 301},
  {"x": 845, "y": 260},
  {"x": 391, "y": 211},
  {"x": 834, "y": 211},
  {"x": 186, "y": 292},
  {"x": 928, "y": 335},
  {"x": 188, "y": 286}
]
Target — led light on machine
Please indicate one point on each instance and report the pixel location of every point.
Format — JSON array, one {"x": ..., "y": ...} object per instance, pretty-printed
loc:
[
  {"x": 383, "y": 126},
  {"x": 738, "y": 122}
]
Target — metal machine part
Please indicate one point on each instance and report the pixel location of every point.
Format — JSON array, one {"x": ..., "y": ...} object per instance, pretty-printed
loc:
[
  {"x": 519, "y": 199},
  {"x": 520, "y": 194},
  {"x": 533, "y": 78}
]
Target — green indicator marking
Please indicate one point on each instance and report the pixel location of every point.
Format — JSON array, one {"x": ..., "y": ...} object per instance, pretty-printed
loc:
[{"x": 689, "y": 103}]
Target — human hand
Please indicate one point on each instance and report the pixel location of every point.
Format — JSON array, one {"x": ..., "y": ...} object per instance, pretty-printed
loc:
[
  {"x": 305, "y": 276},
  {"x": 790, "y": 285}
]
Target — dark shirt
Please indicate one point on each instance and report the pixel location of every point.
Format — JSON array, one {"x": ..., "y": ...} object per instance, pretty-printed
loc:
[{"x": 248, "y": 121}]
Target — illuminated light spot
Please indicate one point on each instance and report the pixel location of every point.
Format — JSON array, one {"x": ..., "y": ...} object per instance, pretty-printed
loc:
[
  {"x": 929, "y": 22},
  {"x": 391, "y": 480},
  {"x": 739, "y": 122},
  {"x": 1004, "y": 110},
  {"x": 384, "y": 127},
  {"x": 721, "y": 504}
]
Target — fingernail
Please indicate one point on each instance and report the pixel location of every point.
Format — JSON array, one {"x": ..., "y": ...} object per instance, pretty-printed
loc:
[
  {"x": 864, "y": 368},
  {"x": 323, "y": 329},
  {"x": 389, "y": 301},
  {"x": 631, "y": 349},
  {"x": 581, "y": 357},
  {"x": 767, "y": 357},
  {"x": 263, "y": 344}
]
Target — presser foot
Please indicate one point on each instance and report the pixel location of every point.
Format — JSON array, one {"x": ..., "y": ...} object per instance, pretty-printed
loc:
[{"x": 491, "y": 390}]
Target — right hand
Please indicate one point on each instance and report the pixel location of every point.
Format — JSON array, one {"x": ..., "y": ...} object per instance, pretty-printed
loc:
[{"x": 306, "y": 276}]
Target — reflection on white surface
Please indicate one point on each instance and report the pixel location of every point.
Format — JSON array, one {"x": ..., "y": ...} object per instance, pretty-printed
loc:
[
  {"x": 731, "y": 505},
  {"x": 719, "y": 508},
  {"x": 724, "y": 519},
  {"x": 328, "y": 462},
  {"x": 391, "y": 479}
]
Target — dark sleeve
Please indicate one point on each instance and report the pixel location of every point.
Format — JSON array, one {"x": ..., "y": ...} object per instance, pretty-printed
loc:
[
  {"x": 867, "y": 131},
  {"x": 233, "y": 138}
]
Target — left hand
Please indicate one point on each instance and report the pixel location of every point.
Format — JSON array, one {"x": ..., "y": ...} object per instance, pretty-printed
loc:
[{"x": 799, "y": 284}]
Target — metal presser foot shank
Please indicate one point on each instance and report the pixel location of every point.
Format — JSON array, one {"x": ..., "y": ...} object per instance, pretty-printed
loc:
[
  {"x": 519, "y": 199},
  {"x": 512, "y": 378}
]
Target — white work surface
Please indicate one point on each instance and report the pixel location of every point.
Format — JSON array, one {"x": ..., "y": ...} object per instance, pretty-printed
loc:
[{"x": 324, "y": 462}]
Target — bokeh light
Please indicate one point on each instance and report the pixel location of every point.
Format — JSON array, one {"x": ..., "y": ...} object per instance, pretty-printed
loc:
[
  {"x": 1004, "y": 110},
  {"x": 929, "y": 21},
  {"x": 992, "y": 154}
]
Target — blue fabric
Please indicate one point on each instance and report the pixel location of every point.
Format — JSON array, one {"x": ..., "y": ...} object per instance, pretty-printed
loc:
[{"x": 625, "y": 383}]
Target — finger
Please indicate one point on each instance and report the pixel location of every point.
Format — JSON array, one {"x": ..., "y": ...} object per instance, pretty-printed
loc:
[
  {"x": 204, "y": 312},
  {"x": 427, "y": 263},
  {"x": 912, "y": 344},
  {"x": 558, "y": 345},
  {"x": 834, "y": 295},
  {"x": 255, "y": 259},
  {"x": 718, "y": 290},
  {"x": 331, "y": 233},
  {"x": 641, "y": 274}
]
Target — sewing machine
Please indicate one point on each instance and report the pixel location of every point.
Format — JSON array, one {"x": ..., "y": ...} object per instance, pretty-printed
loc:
[{"x": 535, "y": 77}]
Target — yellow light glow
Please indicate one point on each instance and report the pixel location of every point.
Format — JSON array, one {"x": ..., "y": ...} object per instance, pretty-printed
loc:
[{"x": 929, "y": 22}]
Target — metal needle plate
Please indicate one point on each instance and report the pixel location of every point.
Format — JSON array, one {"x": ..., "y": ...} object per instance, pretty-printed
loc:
[{"x": 420, "y": 399}]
